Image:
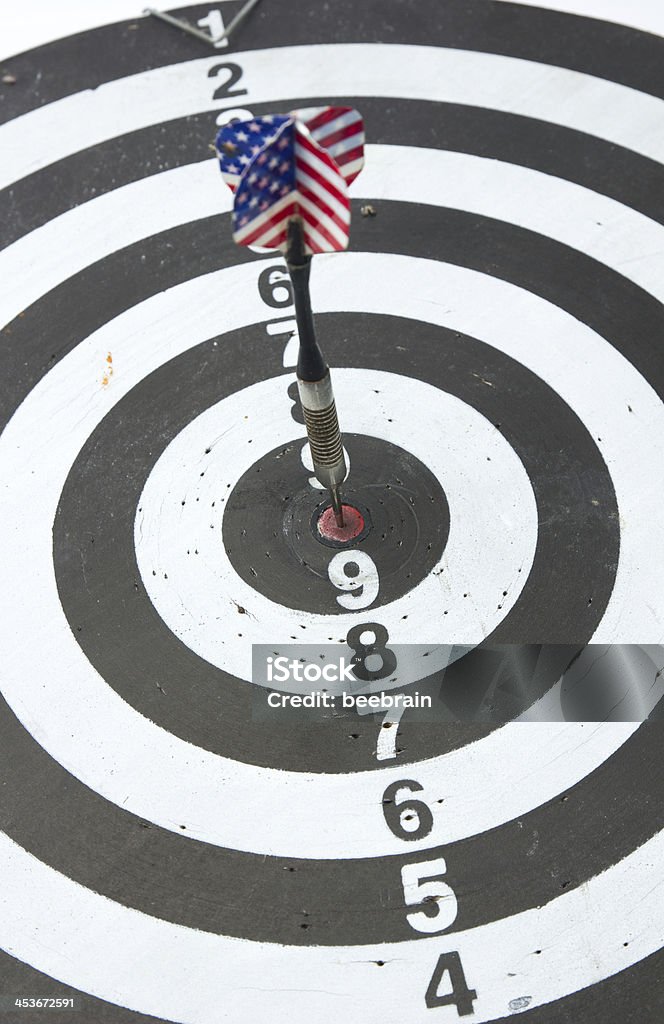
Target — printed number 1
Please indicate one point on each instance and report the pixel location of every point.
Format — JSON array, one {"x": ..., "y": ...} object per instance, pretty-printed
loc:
[{"x": 214, "y": 23}]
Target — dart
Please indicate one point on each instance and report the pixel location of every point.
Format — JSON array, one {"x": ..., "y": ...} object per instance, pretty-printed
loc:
[{"x": 290, "y": 176}]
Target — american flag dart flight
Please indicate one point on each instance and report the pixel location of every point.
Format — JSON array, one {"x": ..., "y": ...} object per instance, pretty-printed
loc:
[
  {"x": 293, "y": 165},
  {"x": 313, "y": 704}
]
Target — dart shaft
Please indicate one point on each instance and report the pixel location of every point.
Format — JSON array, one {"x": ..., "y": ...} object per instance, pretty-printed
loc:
[
  {"x": 314, "y": 381},
  {"x": 311, "y": 365}
]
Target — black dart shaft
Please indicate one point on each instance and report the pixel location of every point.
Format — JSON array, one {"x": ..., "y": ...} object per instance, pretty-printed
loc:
[{"x": 313, "y": 379}]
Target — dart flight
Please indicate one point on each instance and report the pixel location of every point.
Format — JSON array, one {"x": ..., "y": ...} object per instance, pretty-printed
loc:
[{"x": 293, "y": 165}]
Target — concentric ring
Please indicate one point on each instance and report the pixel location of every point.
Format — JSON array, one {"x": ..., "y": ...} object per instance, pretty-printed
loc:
[
  {"x": 477, "y": 468},
  {"x": 111, "y": 777},
  {"x": 193, "y": 687}
]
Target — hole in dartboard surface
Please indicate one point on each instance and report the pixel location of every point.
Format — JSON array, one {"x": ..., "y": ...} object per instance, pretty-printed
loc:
[{"x": 405, "y": 525}]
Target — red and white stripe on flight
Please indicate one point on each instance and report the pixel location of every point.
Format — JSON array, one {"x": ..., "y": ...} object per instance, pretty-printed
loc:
[
  {"x": 320, "y": 199},
  {"x": 340, "y": 131}
]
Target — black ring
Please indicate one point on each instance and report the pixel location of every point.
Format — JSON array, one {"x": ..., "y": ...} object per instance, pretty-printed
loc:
[{"x": 538, "y": 425}]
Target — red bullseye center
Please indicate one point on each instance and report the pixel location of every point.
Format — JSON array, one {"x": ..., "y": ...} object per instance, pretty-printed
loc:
[{"x": 352, "y": 528}]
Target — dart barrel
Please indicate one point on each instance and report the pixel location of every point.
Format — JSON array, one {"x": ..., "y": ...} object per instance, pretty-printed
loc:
[{"x": 320, "y": 417}]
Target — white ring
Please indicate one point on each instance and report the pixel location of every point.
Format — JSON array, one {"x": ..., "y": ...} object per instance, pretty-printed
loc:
[
  {"x": 490, "y": 549},
  {"x": 90, "y": 942},
  {"x": 582, "y": 102},
  {"x": 606, "y": 230}
]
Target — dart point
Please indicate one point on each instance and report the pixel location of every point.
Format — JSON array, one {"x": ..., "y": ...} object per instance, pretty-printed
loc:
[
  {"x": 352, "y": 526},
  {"x": 337, "y": 506}
]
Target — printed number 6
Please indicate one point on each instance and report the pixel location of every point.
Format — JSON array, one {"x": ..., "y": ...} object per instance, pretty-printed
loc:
[{"x": 397, "y": 813}]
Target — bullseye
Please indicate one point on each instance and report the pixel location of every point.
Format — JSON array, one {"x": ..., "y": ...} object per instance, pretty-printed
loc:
[{"x": 354, "y": 526}]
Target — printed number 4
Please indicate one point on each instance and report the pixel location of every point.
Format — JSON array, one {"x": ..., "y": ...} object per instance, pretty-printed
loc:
[{"x": 461, "y": 996}]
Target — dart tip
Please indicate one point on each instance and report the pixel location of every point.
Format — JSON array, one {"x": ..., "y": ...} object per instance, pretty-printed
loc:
[{"x": 337, "y": 506}]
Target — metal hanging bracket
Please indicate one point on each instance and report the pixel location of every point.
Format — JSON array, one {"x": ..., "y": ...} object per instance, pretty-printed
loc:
[{"x": 198, "y": 33}]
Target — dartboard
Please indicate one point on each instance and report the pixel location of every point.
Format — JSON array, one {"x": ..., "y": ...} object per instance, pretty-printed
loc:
[{"x": 172, "y": 849}]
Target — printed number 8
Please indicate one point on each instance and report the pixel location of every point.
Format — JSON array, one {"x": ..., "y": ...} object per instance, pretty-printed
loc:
[{"x": 371, "y": 648}]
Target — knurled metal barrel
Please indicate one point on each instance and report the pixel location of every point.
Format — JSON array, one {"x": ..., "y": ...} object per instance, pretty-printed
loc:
[{"x": 320, "y": 417}]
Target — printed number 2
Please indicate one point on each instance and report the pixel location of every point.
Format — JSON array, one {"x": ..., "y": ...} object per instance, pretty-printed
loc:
[
  {"x": 461, "y": 996},
  {"x": 225, "y": 90}
]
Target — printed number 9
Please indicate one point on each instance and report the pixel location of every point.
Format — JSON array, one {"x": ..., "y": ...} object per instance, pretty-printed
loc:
[{"x": 355, "y": 573}]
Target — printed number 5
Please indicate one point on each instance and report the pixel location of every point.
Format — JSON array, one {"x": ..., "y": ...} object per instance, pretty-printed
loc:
[{"x": 422, "y": 884}]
